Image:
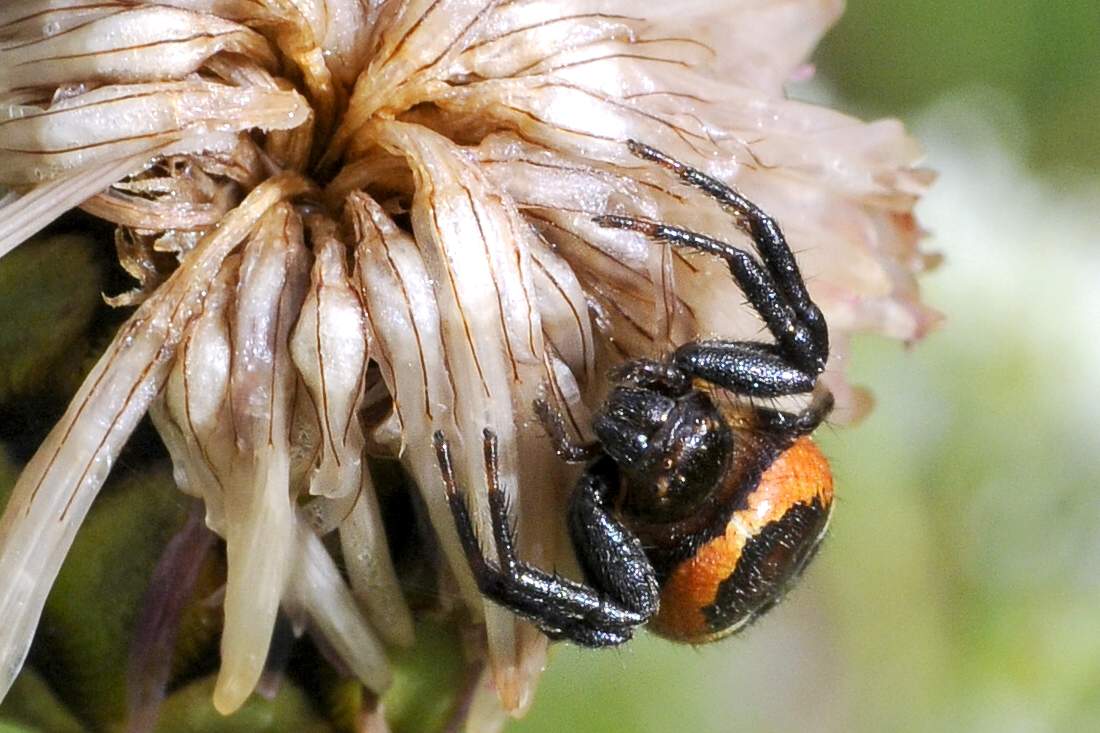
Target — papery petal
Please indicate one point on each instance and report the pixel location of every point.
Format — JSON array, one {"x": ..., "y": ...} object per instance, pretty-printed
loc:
[
  {"x": 317, "y": 591},
  {"x": 406, "y": 334},
  {"x": 85, "y": 130},
  {"x": 563, "y": 312},
  {"x": 330, "y": 349},
  {"x": 192, "y": 412},
  {"x": 259, "y": 513},
  {"x": 59, "y": 483},
  {"x": 477, "y": 253},
  {"x": 341, "y": 30},
  {"x": 756, "y": 43},
  {"x": 139, "y": 212},
  {"x": 561, "y": 195},
  {"x": 24, "y": 215},
  {"x": 416, "y": 41},
  {"x": 370, "y": 569},
  {"x": 330, "y": 352},
  {"x": 142, "y": 44}
]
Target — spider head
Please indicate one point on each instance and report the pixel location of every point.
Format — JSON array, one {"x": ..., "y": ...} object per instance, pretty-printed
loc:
[{"x": 671, "y": 451}]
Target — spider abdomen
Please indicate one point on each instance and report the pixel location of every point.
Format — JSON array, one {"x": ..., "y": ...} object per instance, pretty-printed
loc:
[{"x": 741, "y": 573}]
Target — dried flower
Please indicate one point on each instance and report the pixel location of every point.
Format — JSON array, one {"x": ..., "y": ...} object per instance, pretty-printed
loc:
[{"x": 388, "y": 205}]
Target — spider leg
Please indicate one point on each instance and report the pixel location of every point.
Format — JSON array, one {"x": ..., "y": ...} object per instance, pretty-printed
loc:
[
  {"x": 561, "y": 608},
  {"x": 611, "y": 555},
  {"x": 795, "y": 341},
  {"x": 744, "y": 367},
  {"x": 765, "y": 232},
  {"x": 568, "y": 449},
  {"x": 799, "y": 423}
]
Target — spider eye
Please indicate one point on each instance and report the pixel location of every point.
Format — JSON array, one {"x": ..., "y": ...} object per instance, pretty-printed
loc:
[{"x": 685, "y": 459}]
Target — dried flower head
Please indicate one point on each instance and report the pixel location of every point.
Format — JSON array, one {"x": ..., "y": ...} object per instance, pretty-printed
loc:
[{"x": 386, "y": 208}]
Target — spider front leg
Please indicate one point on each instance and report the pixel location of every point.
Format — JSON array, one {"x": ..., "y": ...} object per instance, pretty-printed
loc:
[
  {"x": 774, "y": 286},
  {"x": 765, "y": 232},
  {"x": 603, "y": 614},
  {"x": 567, "y": 448},
  {"x": 795, "y": 343}
]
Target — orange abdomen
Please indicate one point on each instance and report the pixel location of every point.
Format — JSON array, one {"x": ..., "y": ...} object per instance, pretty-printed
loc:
[{"x": 744, "y": 571}]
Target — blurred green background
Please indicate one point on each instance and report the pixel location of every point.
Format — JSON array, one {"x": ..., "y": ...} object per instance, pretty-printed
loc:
[{"x": 960, "y": 589}]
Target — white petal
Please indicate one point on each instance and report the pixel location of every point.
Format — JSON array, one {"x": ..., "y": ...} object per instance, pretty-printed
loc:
[
  {"x": 317, "y": 592},
  {"x": 259, "y": 513},
  {"x": 329, "y": 347},
  {"x": 477, "y": 253},
  {"x": 416, "y": 41},
  {"x": 59, "y": 483},
  {"x": 116, "y": 122},
  {"x": 142, "y": 44},
  {"x": 22, "y": 216}
]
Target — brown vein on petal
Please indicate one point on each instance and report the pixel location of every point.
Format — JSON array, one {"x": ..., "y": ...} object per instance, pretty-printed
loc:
[
  {"x": 107, "y": 434},
  {"x": 446, "y": 355},
  {"x": 319, "y": 448},
  {"x": 462, "y": 34},
  {"x": 67, "y": 31},
  {"x": 276, "y": 342},
  {"x": 676, "y": 39},
  {"x": 69, "y": 9},
  {"x": 679, "y": 131},
  {"x": 623, "y": 353},
  {"x": 597, "y": 172},
  {"x": 393, "y": 378},
  {"x": 349, "y": 418},
  {"x": 686, "y": 262},
  {"x": 412, "y": 320},
  {"x": 91, "y": 146},
  {"x": 87, "y": 105},
  {"x": 116, "y": 347},
  {"x": 321, "y": 369},
  {"x": 661, "y": 93},
  {"x": 109, "y": 51},
  {"x": 230, "y": 337},
  {"x": 531, "y": 206},
  {"x": 532, "y": 307},
  {"x": 185, "y": 360},
  {"x": 541, "y": 121},
  {"x": 135, "y": 212},
  {"x": 137, "y": 383},
  {"x": 623, "y": 313},
  {"x": 586, "y": 242},
  {"x": 458, "y": 300},
  {"x": 549, "y": 22},
  {"x": 360, "y": 381},
  {"x": 608, "y": 57},
  {"x": 404, "y": 38},
  {"x": 667, "y": 293},
  {"x": 559, "y": 393},
  {"x": 572, "y": 309},
  {"x": 496, "y": 283}
]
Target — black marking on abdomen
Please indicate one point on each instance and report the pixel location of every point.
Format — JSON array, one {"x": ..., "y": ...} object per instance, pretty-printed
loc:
[{"x": 769, "y": 562}]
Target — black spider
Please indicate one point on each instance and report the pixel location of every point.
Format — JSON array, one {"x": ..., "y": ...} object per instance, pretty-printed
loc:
[{"x": 692, "y": 514}]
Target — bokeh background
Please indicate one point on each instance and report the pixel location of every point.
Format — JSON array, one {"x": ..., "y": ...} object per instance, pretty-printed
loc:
[{"x": 960, "y": 588}]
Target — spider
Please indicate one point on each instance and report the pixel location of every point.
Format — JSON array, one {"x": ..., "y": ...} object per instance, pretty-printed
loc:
[{"x": 693, "y": 515}]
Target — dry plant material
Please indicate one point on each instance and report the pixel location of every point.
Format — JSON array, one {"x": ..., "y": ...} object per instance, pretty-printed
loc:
[{"x": 388, "y": 206}]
